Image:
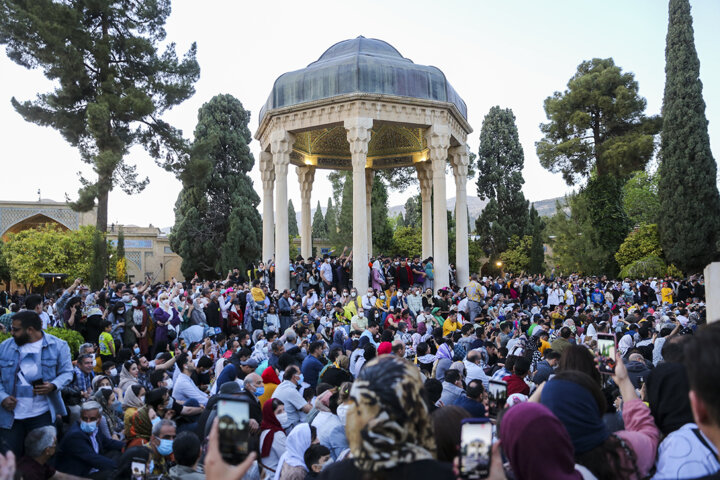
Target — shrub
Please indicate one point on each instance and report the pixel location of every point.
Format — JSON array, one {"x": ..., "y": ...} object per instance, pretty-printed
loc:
[{"x": 650, "y": 266}]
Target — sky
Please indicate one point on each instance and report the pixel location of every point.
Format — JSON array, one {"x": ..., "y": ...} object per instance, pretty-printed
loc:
[{"x": 513, "y": 53}]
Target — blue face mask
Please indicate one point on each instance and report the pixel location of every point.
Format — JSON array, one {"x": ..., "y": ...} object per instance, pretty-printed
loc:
[
  {"x": 155, "y": 421},
  {"x": 302, "y": 378},
  {"x": 118, "y": 408},
  {"x": 88, "y": 427},
  {"x": 165, "y": 447},
  {"x": 137, "y": 350},
  {"x": 260, "y": 390}
]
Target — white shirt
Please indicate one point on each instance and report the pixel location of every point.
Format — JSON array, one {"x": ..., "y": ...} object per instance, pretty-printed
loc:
[
  {"x": 326, "y": 272},
  {"x": 368, "y": 302},
  {"x": 278, "y": 448},
  {"x": 30, "y": 405},
  {"x": 294, "y": 402},
  {"x": 475, "y": 372},
  {"x": 463, "y": 305},
  {"x": 185, "y": 389}
]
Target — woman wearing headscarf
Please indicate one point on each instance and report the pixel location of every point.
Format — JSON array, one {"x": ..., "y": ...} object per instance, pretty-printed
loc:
[
  {"x": 128, "y": 375},
  {"x": 270, "y": 381},
  {"x": 136, "y": 325},
  {"x": 291, "y": 465},
  {"x": 444, "y": 358},
  {"x": 139, "y": 428},
  {"x": 552, "y": 458},
  {"x": 685, "y": 452},
  {"x": 578, "y": 402},
  {"x": 134, "y": 398},
  {"x": 378, "y": 277},
  {"x": 163, "y": 315},
  {"x": 272, "y": 435},
  {"x": 109, "y": 423},
  {"x": 389, "y": 430}
]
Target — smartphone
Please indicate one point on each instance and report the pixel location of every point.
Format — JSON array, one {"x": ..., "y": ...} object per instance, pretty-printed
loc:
[
  {"x": 138, "y": 469},
  {"x": 606, "y": 353},
  {"x": 475, "y": 448},
  {"x": 497, "y": 395},
  {"x": 37, "y": 383},
  {"x": 234, "y": 428}
]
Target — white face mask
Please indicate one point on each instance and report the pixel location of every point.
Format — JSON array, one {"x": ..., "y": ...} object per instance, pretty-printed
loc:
[
  {"x": 342, "y": 413},
  {"x": 353, "y": 294},
  {"x": 361, "y": 314},
  {"x": 181, "y": 291},
  {"x": 135, "y": 291},
  {"x": 126, "y": 298},
  {"x": 134, "y": 303},
  {"x": 166, "y": 302},
  {"x": 168, "y": 383},
  {"x": 113, "y": 371},
  {"x": 282, "y": 418}
]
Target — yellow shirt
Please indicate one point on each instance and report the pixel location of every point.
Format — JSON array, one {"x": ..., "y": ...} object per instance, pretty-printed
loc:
[
  {"x": 450, "y": 326},
  {"x": 666, "y": 293}
]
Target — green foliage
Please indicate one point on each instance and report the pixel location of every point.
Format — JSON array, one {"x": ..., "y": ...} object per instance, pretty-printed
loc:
[
  {"x": 331, "y": 222},
  {"x": 413, "y": 211},
  {"x": 382, "y": 233},
  {"x": 690, "y": 203},
  {"x": 121, "y": 243},
  {"x": 292, "y": 220},
  {"x": 217, "y": 225},
  {"x": 111, "y": 85},
  {"x": 72, "y": 337},
  {"x": 651, "y": 266},
  {"x": 4, "y": 267},
  {"x": 516, "y": 259},
  {"x": 407, "y": 241},
  {"x": 500, "y": 161},
  {"x": 345, "y": 217},
  {"x": 673, "y": 271},
  {"x": 640, "y": 243},
  {"x": 476, "y": 254},
  {"x": 598, "y": 123},
  {"x": 48, "y": 249},
  {"x": 319, "y": 227},
  {"x": 640, "y": 198},
  {"x": 537, "y": 249}
]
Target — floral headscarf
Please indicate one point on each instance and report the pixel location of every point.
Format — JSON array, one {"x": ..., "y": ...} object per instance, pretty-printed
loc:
[{"x": 387, "y": 422}]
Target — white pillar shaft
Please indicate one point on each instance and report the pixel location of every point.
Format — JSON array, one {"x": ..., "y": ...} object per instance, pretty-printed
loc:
[
  {"x": 439, "y": 142},
  {"x": 358, "y": 135},
  {"x": 462, "y": 261},
  {"x": 281, "y": 146},
  {"x": 306, "y": 175},
  {"x": 424, "y": 172},
  {"x": 267, "y": 172},
  {"x": 369, "y": 178}
]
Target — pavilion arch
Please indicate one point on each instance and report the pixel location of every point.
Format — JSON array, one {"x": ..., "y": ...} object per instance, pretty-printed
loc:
[{"x": 33, "y": 221}]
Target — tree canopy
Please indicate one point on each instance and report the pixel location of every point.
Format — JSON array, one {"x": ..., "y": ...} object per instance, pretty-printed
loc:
[
  {"x": 640, "y": 198},
  {"x": 292, "y": 220},
  {"x": 319, "y": 227},
  {"x": 382, "y": 234}
]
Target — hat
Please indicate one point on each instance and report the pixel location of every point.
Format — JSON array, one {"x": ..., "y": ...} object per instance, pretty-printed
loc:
[
  {"x": 384, "y": 347},
  {"x": 250, "y": 362}
]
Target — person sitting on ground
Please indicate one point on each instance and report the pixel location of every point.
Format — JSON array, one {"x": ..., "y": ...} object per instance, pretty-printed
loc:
[
  {"x": 516, "y": 381},
  {"x": 315, "y": 459},
  {"x": 473, "y": 401},
  {"x": 186, "y": 450},
  {"x": 40, "y": 446}
]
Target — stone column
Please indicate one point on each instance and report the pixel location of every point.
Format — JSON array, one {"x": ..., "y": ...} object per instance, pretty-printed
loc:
[
  {"x": 438, "y": 140},
  {"x": 358, "y": 135},
  {"x": 369, "y": 178},
  {"x": 281, "y": 143},
  {"x": 267, "y": 173},
  {"x": 306, "y": 176},
  {"x": 460, "y": 159},
  {"x": 424, "y": 172}
]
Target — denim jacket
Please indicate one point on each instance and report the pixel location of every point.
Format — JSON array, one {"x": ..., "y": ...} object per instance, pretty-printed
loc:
[{"x": 56, "y": 368}]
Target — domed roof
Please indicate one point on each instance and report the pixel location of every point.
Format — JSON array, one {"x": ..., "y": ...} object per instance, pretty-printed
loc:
[{"x": 362, "y": 65}]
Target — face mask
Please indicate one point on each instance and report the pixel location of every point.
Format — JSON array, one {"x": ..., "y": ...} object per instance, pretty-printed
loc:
[
  {"x": 135, "y": 291},
  {"x": 397, "y": 263},
  {"x": 88, "y": 427},
  {"x": 259, "y": 391},
  {"x": 282, "y": 418},
  {"x": 342, "y": 413},
  {"x": 105, "y": 387},
  {"x": 301, "y": 379},
  {"x": 166, "y": 302},
  {"x": 126, "y": 298},
  {"x": 136, "y": 350},
  {"x": 155, "y": 421},
  {"x": 344, "y": 294},
  {"x": 165, "y": 447},
  {"x": 134, "y": 303},
  {"x": 399, "y": 295},
  {"x": 181, "y": 291},
  {"x": 169, "y": 384},
  {"x": 94, "y": 363},
  {"x": 382, "y": 297},
  {"x": 361, "y": 314},
  {"x": 113, "y": 372},
  {"x": 353, "y": 294}
]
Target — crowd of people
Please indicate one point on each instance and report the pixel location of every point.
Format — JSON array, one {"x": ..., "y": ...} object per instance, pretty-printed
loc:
[{"x": 353, "y": 384}]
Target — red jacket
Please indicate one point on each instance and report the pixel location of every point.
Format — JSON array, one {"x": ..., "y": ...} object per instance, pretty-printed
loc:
[{"x": 516, "y": 384}]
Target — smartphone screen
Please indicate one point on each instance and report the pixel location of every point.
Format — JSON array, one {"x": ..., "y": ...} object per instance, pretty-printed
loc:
[
  {"x": 606, "y": 353},
  {"x": 233, "y": 425},
  {"x": 137, "y": 469},
  {"x": 497, "y": 395},
  {"x": 475, "y": 446}
]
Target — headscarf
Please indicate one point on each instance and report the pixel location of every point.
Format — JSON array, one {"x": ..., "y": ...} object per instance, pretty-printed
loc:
[
  {"x": 516, "y": 399},
  {"x": 257, "y": 294},
  {"x": 444, "y": 352},
  {"x": 269, "y": 375},
  {"x": 97, "y": 379},
  {"x": 131, "y": 400},
  {"x": 126, "y": 380},
  {"x": 102, "y": 397},
  {"x": 384, "y": 348},
  {"x": 297, "y": 442},
  {"x": 533, "y": 460},
  {"x": 91, "y": 307},
  {"x": 140, "y": 425},
  {"x": 398, "y": 430},
  {"x": 577, "y": 409},
  {"x": 322, "y": 402},
  {"x": 270, "y": 423},
  {"x": 667, "y": 389}
]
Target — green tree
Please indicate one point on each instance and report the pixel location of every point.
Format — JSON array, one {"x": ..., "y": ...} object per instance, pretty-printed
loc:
[
  {"x": 413, "y": 211},
  {"x": 650, "y": 266},
  {"x": 516, "y": 258},
  {"x": 690, "y": 203},
  {"x": 500, "y": 161},
  {"x": 319, "y": 228},
  {"x": 292, "y": 220},
  {"x": 640, "y": 198},
  {"x": 640, "y": 243},
  {"x": 111, "y": 85},
  {"x": 382, "y": 233},
  {"x": 537, "y": 249},
  {"x": 4, "y": 267},
  {"x": 597, "y": 124},
  {"x": 217, "y": 225},
  {"x": 345, "y": 217},
  {"x": 407, "y": 241},
  {"x": 331, "y": 222}
]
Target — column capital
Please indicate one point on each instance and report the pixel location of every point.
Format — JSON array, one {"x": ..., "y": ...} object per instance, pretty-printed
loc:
[
  {"x": 425, "y": 176},
  {"x": 460, "y": 160},
  {"x": 438, "y": 142},
  {"x": 306, "y": 177},
  {"x": 281, "y": 143},
  {"x": 267, "y": 170},
  {"x": 358, "y": 135}
]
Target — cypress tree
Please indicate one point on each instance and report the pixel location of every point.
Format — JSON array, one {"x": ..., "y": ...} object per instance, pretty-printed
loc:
[
  {"x": 319, "y": 228},
  {"x": 292, "y": 220},
  {"x": 537, "y": 249},
  {"x": 345, "y": 218},
  {"x": 382, "y": 235},
  {"x": 690, "y": 221},
  {"x": 331, "y": 222}
]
